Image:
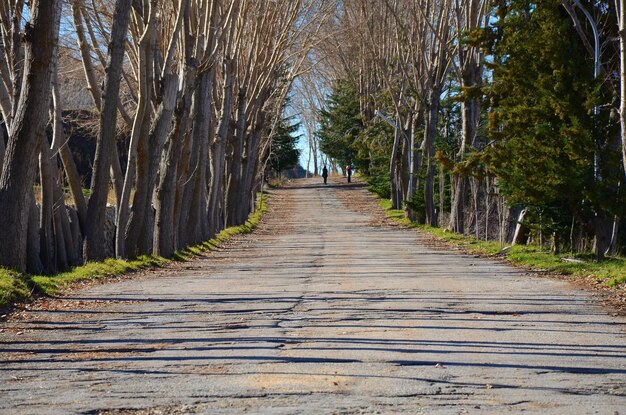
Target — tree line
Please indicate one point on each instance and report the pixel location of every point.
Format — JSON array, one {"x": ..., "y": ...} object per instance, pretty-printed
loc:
[
  {"x": 197, "y": 86},
  {"x": 488, "y": 118}
]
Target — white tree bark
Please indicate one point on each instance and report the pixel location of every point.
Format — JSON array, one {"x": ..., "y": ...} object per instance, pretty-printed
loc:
[{"x": 621, "y": 19}]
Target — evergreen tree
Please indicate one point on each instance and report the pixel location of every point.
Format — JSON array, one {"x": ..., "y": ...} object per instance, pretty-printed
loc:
[
  {"x": 345, "y": 137},
  {"x": 341, "y": 124},
  {"x": 541, "y": 123},
  {"x": 285, "y": 153}
]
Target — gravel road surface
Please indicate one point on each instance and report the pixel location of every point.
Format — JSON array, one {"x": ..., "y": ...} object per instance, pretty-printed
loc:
[{"x": 323, "y": 310}]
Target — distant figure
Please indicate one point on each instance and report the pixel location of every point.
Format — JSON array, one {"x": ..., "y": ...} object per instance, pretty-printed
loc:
[
  {"x": 349, "y": 172},
  {"x": 325, "y": 174}
]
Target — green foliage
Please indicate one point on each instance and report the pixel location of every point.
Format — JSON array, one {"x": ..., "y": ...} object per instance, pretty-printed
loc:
[
  {"x": 341, "y": 124},
  {"x": 379, "y": 184},
  {"x": 541, "y": 123},
  {"x": 53, "y": 284},
  {"x": 285, "y": 153},
  {"x": 375, "y": 146},
  {"x": 609, "y": 271},
  {"x": 345, "y": 137},
  {"x": 13, "y": 288}
]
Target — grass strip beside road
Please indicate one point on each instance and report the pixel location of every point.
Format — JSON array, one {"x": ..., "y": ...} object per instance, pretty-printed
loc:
[
  {"x": 15, "y": 287},
  {"x": 611, "y": 271}
]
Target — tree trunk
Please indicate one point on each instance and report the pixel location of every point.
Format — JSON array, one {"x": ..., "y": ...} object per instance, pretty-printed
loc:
[
  {"x": 85, "y": 52},
  {"x": 201, "y": 196},
  {"x": 46, "y": 225},
  {"x": 430, "y": 134},
  {"x": 3, "y": 148},
  {"x": 602, "y": 227},
  {"x": 414, "y": 164},
  {"x": 233, "y": 188},
  {"x": 59, "y": 213},
  {"x": 487, "y": 205},
  {"x": 75, "y": 231},
  {"x": 17, "y": 58},
  {"x": 308, "y": 161},
  {"x": 65, "y": 237},
  {"x": 187, "y": 167},
  {"x": 34, "y": 265},
  {"x": 74, "y": 182},
  {"x": 94, "y": 248},
  {"x": 470, "y": 118},
  {"x": 395, "y": 171},
  {"x": 51, "y": 180},
  {"x": 457, "y": 207},
  {"x": 442, "y": 189},
  {"x": 474, "y": 192},
  {"x": 218, "y": 151},
  {"x": 404, "y": 169},
  {"x": 316, "y": 168},
  {"x": 165, "y": 194},
  {"x": 5, "y": 85},
  {"x": 5, "y": 99},
  {"x": 622, "y": 53},
  {"x": 249, "y": 170},
  {"x": 165, "y": 240},
  {"x": 189, "y": 227},
  {"x": 138, "y": 140},
  {"x": 139, "y": 233},
  {"x": 26, "y": 135}
]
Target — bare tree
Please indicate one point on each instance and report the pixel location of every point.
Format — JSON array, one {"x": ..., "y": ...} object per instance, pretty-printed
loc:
[
  {"x": 29, "y": 116},
  {"x": 94, "y": 232},
  {"x": 198, "y": 85}
]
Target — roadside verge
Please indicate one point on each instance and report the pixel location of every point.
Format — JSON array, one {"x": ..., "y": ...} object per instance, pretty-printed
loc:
[
  {"x": 22, "y": 288},
  {"x": 606, "y": 277}
]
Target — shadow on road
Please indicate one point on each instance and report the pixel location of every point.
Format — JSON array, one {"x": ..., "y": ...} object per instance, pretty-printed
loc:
[
  {"x": 154, "y": 347},
  {"x": 326, "y": 297}
]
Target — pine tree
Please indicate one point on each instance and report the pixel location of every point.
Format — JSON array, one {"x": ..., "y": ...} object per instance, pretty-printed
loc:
[
  {"x": 541, "y": 127},
  {"x": 341, "y": 124},
  {"x": 345, "y": 137},
  {"x": 285, "y": 153}
]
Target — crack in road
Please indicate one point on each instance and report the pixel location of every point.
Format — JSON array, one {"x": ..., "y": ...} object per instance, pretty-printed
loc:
[{"x": 325, "y": 309}]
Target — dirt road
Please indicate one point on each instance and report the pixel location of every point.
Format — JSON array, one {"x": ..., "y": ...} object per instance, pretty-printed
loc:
[{"x": 323, "y": 310}]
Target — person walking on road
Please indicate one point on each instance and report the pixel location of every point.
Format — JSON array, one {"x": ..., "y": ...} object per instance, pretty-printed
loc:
[
  {"x": 325, "y": 174},
  {"x": 349, "y": 172}
]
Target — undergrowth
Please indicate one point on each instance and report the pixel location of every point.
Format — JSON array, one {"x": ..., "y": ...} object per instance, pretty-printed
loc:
[
  {"x": 611, "y": 271},
  {"x": 15, "y": 287}
]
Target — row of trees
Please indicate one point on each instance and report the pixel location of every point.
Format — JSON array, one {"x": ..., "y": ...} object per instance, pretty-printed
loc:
[
  {"x": 478, "y": 116},
  {"x": 197, "y": 86}
]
